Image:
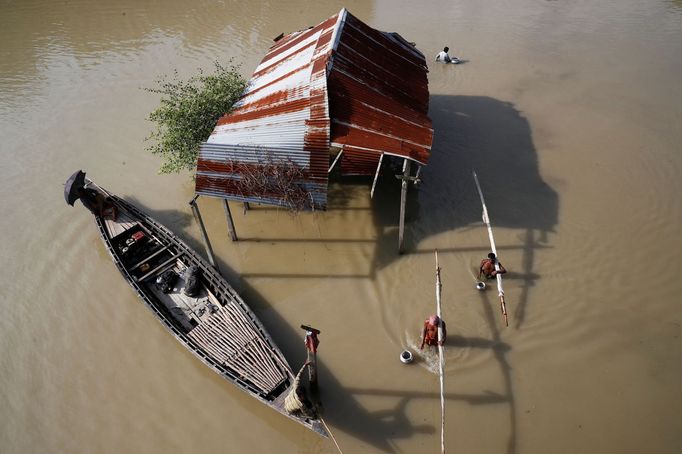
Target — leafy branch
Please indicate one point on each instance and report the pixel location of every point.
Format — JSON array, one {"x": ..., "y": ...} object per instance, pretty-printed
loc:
[{"x": 189, "y": 111}]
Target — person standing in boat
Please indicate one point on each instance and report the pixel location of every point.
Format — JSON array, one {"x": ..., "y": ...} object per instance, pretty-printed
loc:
[
  {"x": 430, "y": 331},
  {"x": 445, "y": 57},
  {"x": 488, "y": 268}
]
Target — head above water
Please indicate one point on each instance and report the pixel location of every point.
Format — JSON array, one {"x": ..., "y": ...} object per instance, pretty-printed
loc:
[
  {"x": 446, "y": 49},
  {"x": 433, "y": 320},
  {"x": 491, "y": 256}
]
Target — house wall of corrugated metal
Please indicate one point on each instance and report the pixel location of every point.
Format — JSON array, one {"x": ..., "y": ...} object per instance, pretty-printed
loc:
[
  {"x": 283, "y": 116},
  {"x": 378, "y": 98},
  {"x": 224, "y": 166},
  {"x": 340, "y": 82}
]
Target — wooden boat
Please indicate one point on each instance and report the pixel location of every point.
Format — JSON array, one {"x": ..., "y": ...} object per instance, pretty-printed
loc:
[{"x": 216, "y": 325}]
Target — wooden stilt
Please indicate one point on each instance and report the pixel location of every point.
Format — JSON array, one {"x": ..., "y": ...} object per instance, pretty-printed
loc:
[
  {"x": 403, "y": 198},
  {"x": 230, "y": 222},
  {"x": 338, "y": 156},
  {"x": 376, "y": 176},
  {"x": 204, "y": 235}
]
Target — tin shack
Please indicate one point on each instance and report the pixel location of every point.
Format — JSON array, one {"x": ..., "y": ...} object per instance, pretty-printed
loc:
[{"x": 337, "y": 94}]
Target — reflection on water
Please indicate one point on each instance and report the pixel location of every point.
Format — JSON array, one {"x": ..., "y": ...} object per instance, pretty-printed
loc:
[{"x": 569, "y": 113}]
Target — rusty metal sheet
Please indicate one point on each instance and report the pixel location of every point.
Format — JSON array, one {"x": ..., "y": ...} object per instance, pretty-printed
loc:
[
  {"x": 340, "y": 83},
  {"x": 282, "y": 115},
  {"x": 378, "y": 98},
  {"x": 223, "y": 166}
]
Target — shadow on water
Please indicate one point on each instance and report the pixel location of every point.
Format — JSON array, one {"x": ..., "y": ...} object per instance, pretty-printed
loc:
[
  {"x": 471, "y": 132},
  {"x": 492, "y": 137},
  {"x": 500, "y": 350},
  {"x": 343, "y": 411}
]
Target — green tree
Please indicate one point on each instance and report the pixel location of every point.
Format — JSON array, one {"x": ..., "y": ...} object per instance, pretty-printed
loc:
[{"x": 188, "y": 113}]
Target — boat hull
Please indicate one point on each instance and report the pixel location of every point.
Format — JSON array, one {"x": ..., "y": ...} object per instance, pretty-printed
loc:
[{"x": 223, "y": 297}]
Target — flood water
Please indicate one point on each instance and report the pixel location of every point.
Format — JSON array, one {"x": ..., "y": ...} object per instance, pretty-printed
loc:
[{"x": 570, "y": 112}]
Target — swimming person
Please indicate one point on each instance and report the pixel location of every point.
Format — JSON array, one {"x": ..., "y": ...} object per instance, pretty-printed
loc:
[{"x": 445, "y": 57}]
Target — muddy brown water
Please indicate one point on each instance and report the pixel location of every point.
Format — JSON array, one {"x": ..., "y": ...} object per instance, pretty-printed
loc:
[{"x": 569, "y": 111}]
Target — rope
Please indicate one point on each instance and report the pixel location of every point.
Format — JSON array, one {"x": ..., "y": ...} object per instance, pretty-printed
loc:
[{"x": 331, "y": 435}]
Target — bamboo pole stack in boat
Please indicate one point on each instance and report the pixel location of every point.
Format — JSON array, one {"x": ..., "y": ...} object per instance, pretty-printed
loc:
[{"x": 229, "y": 338}]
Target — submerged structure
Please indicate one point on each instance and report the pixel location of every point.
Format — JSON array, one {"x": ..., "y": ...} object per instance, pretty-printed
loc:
[{"x": 340, "y": 93}]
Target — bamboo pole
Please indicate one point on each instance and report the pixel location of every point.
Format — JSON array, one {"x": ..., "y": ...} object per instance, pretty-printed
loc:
[
  {"x": 486, "y": 220},
  {"x": 204, "y": 235},
  {"x": 207, "y": 345},
  {"x": 441, "y": 361},
  {"x": 248, "y": 353},
  {"x": 403, "y": 200},
  {"x": 376, "y": 176},
  {"x": 261, "y": 348},
  {"x": 230, "y": 222},
  {"x": 338, "y": 156},
  {"x": 212, "y": 343}
]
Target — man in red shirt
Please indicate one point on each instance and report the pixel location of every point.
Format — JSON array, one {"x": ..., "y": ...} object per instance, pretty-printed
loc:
[
  {"x": 488, "y": 267},
  {"x": 430, "y": 331}
]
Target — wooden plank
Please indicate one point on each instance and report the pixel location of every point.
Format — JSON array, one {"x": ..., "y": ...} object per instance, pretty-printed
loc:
[
  {"x": 376, "y": 176},
  {"x": 140, "y": 279},
  {"x": 149, "y": 258},
  {"x": 403, "y": 200}
]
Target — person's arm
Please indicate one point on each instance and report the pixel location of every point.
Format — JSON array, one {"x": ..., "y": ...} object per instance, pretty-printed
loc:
[
  {"x": 502, "y": 269},
  {"x": 438, "y": 56},
  {"x": 480, "y": 269},
  {"x": 423, "y": 337}
]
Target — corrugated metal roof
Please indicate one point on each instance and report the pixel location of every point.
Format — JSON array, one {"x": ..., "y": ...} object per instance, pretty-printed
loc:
[
  {"x": 378, "y": 97},
  {"x": 340, "y": 82}
]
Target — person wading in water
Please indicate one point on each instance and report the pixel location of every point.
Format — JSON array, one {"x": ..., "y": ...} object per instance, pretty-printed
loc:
[
  {"x": 430, "y": 331},
  {"x": 488, "y": 267}
]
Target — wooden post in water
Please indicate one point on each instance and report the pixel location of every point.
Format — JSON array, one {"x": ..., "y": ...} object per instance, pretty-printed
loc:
[
  {"x": 376, "y": 176},
  {"x": 246, "y": 207},
  {"x": 403, "y": 199},
  {"x": 204, "y": 235},
  {"x": 311, "y": 343},
  {"x": 230, "y": 222}
]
